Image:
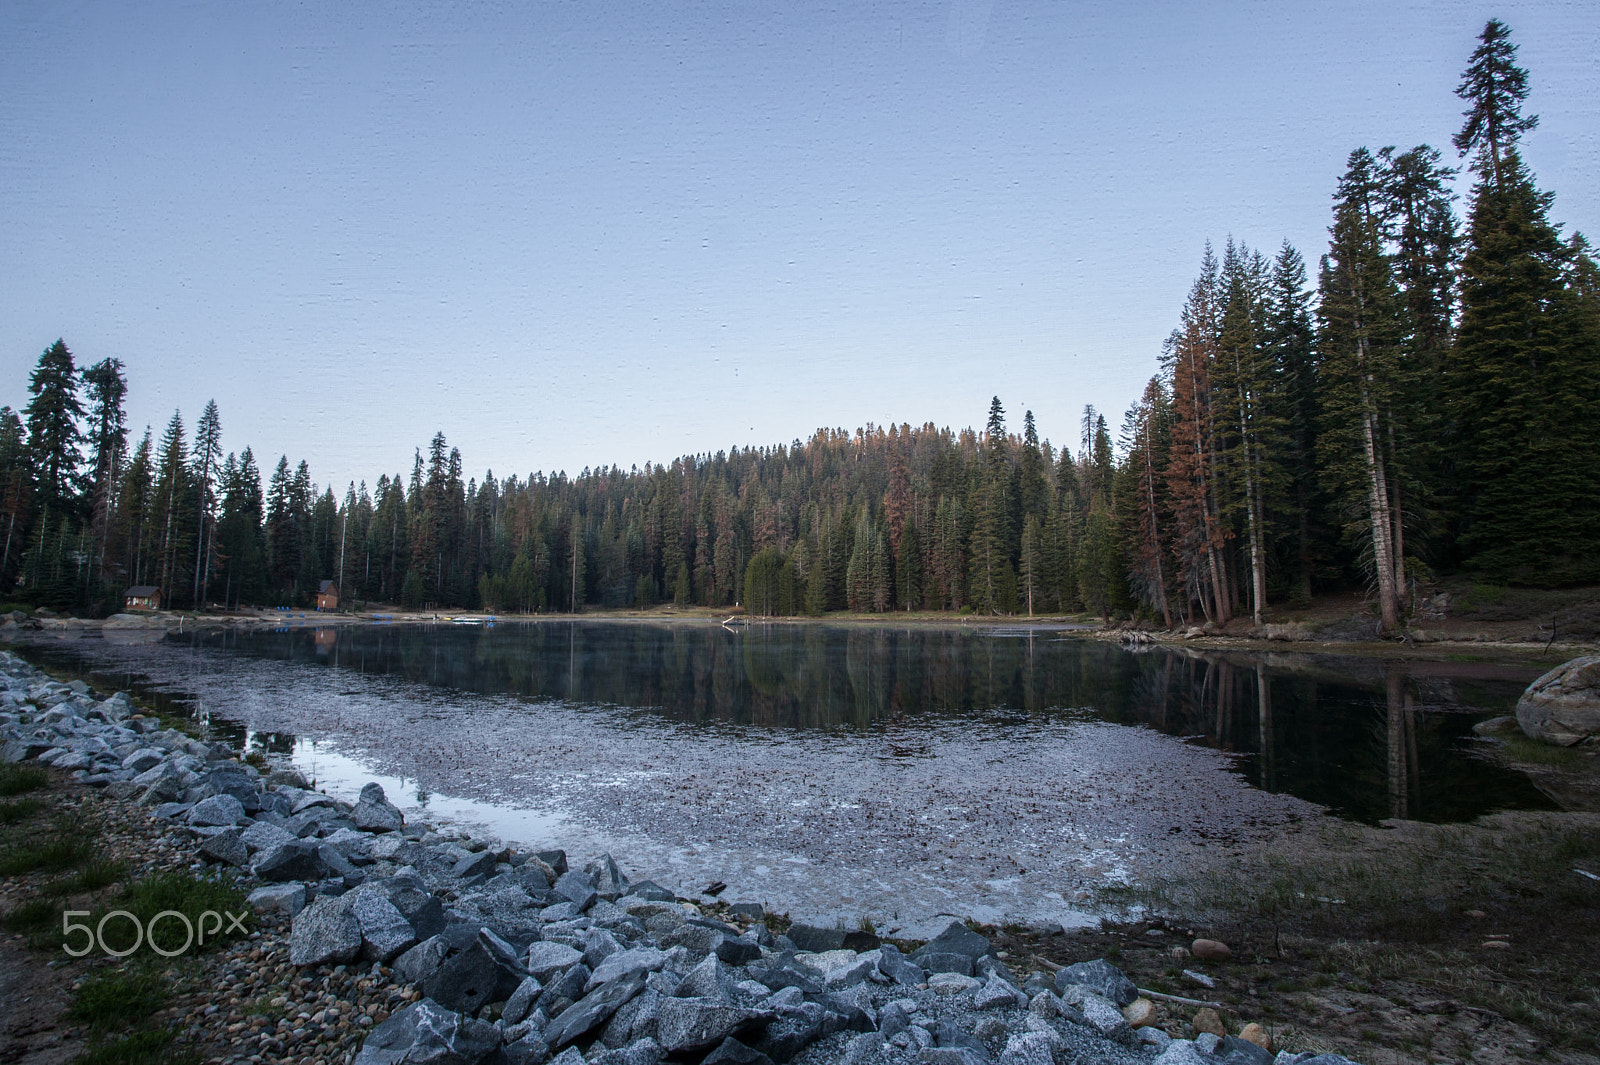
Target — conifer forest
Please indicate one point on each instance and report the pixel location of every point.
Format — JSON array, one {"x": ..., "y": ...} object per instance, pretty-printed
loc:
[{"x": 1421, "y": 400}]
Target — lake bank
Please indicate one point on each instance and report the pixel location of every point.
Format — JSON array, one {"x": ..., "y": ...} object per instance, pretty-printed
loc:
[{"x": 819, "y": 768}]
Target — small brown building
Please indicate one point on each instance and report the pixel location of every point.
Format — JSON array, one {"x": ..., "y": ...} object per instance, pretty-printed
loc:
[
  {"x": 327, "y": 596},
  {"x": 142, "y": 597}
]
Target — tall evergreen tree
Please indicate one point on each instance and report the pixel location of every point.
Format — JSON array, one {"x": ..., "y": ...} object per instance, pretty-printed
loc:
[
  {"x": 1524, "y": 387},
  {"x": 54, "y": 434},
  {"x": 1289, "y": 341},
  {"x": 1365, "y": 379},
  {"x": 207, "y": 449},
  {"x": 108, "y": 444}
]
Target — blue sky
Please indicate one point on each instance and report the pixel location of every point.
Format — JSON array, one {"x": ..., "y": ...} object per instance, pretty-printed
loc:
[{"x": 572, "y": 234}]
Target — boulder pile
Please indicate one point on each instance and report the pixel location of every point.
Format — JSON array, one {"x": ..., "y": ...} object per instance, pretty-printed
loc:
[{"x": 519, "y": 957}]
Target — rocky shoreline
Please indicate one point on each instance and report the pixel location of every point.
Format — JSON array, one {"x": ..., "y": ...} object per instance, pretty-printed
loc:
[{"x": 378, "y": 941}]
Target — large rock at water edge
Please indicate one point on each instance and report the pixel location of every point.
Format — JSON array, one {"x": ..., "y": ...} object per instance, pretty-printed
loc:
[{"x": 1563, "y": 706}]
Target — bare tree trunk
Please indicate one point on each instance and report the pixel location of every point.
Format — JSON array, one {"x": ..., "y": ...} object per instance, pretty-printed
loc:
[{"x": 1382, "y": 527}]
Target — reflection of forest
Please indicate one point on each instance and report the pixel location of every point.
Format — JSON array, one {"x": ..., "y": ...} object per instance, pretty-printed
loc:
[{"x": 1365, "y": 737}]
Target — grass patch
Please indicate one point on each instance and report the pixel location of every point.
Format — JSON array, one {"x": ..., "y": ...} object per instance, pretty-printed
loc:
[
  {"x": 62, "y": 851},
  {"x": 16, "y": 811},
  {"x": 33, "y": 916},
  {"x": 118, "y": 999},
  {"x": 151, "y": 1047},
  {"x": 184, "y": 893},
  {"x": 97, "y": 874},
  {"x": 21, "y": 779},
  {"x": 1418, "y": 908},
  {"x": 1520, "y": 748}
]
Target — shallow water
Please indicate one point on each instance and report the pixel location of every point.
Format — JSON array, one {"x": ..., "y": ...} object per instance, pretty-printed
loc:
[{"x": 899, "y": 773}]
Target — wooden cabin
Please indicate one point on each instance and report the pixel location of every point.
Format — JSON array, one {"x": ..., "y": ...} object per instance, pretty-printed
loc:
[
  {"x": 327, "y": 596},
  {"x": 142, "y": 597}
]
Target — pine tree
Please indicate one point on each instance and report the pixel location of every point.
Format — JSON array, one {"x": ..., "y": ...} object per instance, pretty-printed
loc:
[
  {"x": 1524, "y": 386},
  {"x": 1362, "y": 340},
  {"x": 282, "y": 533},
  {"x": 1030, "y": 576},
  {"x": 1199, "y": 535},
  {"x": 108, "y": 443},
  {"x": 207, "y": 449},
  {"x": 991, "y": 531},
  {"x": 1252, "y": 439},
  {"x": 171, "y": 510},
  {"x": 1147, "y": 442},
  {"x": 1289, "y": 341},
  {"x": 52, "y": 417},
  {"x": 16, "y": 493}
]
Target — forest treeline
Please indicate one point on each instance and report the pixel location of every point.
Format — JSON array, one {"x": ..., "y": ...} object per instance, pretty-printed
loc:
[{"x": 1428, "y": 405}]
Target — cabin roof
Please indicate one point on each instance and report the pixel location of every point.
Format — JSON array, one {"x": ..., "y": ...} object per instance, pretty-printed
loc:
[
  {"x": 325, "y": 587},
  {"x": 143, "y": 591}
]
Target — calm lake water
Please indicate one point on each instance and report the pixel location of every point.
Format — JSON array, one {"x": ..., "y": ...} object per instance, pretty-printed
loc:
[{"x": 806, "y": 759}]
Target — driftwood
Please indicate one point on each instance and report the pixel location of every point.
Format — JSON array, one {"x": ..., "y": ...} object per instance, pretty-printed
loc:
[{"x": 1180, "y": 999}]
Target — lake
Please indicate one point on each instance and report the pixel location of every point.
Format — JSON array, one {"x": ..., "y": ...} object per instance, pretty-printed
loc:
[{"x": 901, "y": 772}]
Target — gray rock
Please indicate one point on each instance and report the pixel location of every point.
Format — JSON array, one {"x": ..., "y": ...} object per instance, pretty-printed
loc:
[
  {"x": 815, "y": 938},
  {"x": 324, "y": 933},
  {"x": 624, "y": 962},
  {"x": 294, "y": 859},
  {"x": 520, "y": 1003},
  {"x": 226, "y": 846},
  {"x": 486, "y": 971},
  {"x": 705, "y": 980},
  {"x": 997, "y": 994},
  {"x": 895, "y": 966},
  {"x": 634, "y": 1019},
  {"x": 145, "y": 758},
  {"x": 794, "y": 1027},
  {"x": 577, "y": 889},
  {"x": 263, "y": 837},
  {"x": 1181, "y": 1052},
  {"x": 957, "y": 938},
  {"x": 428, "y": 1032},
  {"x": 545, "y": 960},
  {"x": 1563, "y": 706},
  {"x": 385, "y": 932},
  {"x": 1101, "y": 1013},
  {"x": 732, "y": 1052},
  {"x": 951, "y": 1056},
  {"x": 1099, "y": 976},
  {"x": 480, "y": 864},
  {"x": 422, "y": 960},
  {"x": 941, "y": 961},
  {"x": 738, "y": 951},
  {"x": 609, "y": 883},
  {"x": 592, "y": 1009},
  {"x": 526, "y": 1050},
  {"x": 287, "y": 899},
  {"x": 863, "y": 1048},
  {"x": 650, "y": 891},
  {"x": 697, "y": 938},
  {"x": 377, "y": 817},
  {"x": 1235, "y": 1051},
  {"x": 1028, "y": 1048},
  {"x": 686, "y": 1024},
  {"x": 948, "y": 1034}
]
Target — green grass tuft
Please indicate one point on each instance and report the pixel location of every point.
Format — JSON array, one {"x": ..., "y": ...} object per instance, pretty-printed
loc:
[
  {"x": 19, "y": 810},
  {"x": 20, "y": 779},
  {"x": 149, "y": 1047},
  {"x": 50, "y": 855},
  {"x": 118, "y": 999}
]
